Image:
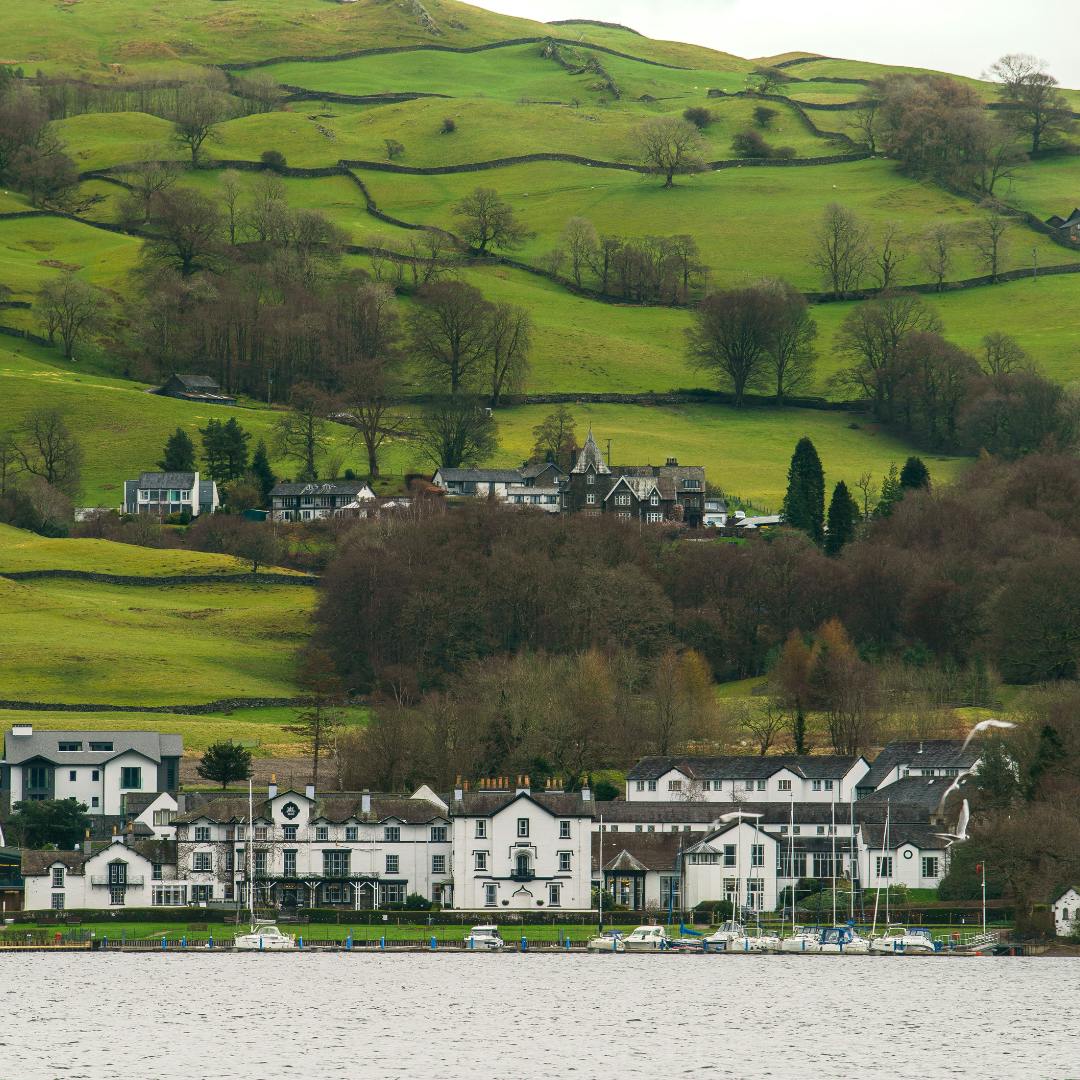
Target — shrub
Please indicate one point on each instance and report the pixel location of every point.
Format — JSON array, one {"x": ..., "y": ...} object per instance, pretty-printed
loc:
[
  {"x": 273, "y": 159},
  {"x": 699, "y": 116},
  {"x": 394, "y": 149},
  {"x": 751, "y": 144},
  {"x": 416, "y": 902},
  {"x": 784, "y": 153},
  {"x": 449, "y": 126},
  {"x": 764, "y": 116}
]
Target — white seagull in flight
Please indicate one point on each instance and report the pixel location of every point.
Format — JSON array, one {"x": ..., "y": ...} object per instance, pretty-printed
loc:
[{"x": 985, "y": 725}]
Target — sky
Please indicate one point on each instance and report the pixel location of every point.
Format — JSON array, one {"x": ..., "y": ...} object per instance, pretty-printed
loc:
[{"x": 961, "y": 36}]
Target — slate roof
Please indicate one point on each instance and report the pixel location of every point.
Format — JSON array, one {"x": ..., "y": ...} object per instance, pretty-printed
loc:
[
  {"x": 924, "y": 754},
  {"x": 922, "y": 836},
  {"x": 484, "y": 476},
  {"x": 38, "y": 862},
  {"x": 640, "y": 851},
  {"x": 319, "y": 487},
  {"x": 182, "y": 480},
  {"x": 45, "y": 744},
  {"x": 642, "y": 487},
  {"x": 488, "y": 803},
  {"x": 533, "y": 469},
  {"x": 35, "y": 863},
  {"x": 199, "y": 383},
  {"x": 135, "y": 802},
  {"x": 703, "y": 815},
  {"x": 746, "y": 767},
  {"x": 335, "y": 806},
  {"x": 590, "y": 456},
  {"x": 913, "y": 792}
]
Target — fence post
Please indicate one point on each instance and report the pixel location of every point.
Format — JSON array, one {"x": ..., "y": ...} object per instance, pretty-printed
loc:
[
  {"x": 524, "y": 943},
  {"x": 382, "y": 942},
  {"x": 163, "y": 943}
]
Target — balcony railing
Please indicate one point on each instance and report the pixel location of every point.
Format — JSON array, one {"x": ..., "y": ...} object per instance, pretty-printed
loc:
[
  {"x": 350, "y": 875},
  {"x": 522, "y": 875},
  {"x": 107, "y": 882}
]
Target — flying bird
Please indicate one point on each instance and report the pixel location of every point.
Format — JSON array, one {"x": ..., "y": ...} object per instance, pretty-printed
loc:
[
  {"x": 985, "y": 725},
  {"x": 960, "y": 835}
]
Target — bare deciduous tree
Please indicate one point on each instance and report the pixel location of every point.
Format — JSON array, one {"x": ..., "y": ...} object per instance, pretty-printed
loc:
[
  {"x": 1035, "y": 105},
  {"x": 937, "y": 248},
  {"x": 790, "y": 339},
  {"x": 70, "y": 308},
  {"x": 47, "y": 448},
  {"x": 450, "y": 334},
  {"x": 1003, "y": 355},
  {"x": 670, "y": 147},
  {"x": 990, "y": 240},
  {"x": 842, "y": 252},
  {"x": 489, "y": 222},
  {"x": 303, "y": 433},
  {"x": 890, "y": 255},
  {"x": 199, "y": 110},
  {"x": 457, "y": 431},
  {"x": 510, "y": 337},
  {"x": 580, "y": 241},
  {"x": 730, "y": 337}
]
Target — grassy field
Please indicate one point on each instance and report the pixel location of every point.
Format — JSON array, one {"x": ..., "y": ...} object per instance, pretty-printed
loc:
[
  {"x": 746, "y": 452},
  {"x": 152, "y": 645}
]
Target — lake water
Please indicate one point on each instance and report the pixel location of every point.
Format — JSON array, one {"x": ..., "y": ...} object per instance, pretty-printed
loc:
[{"x": 516, "y": 1017}]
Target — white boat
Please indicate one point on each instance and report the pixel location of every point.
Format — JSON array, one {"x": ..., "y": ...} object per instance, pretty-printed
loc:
[
  {"x": 265, "y": 936},
  {"x": 841, "y": 939},
  {"x": 484, "y": 937},
  {"x": 759, "y": 942},
  {"x": 646, "y": 939},
  {"x": 805, "y": 939},
  {"x": 609, "y": 941},
  {"x": 899, "y": 939},
  {"x": 730, "y": 937}
]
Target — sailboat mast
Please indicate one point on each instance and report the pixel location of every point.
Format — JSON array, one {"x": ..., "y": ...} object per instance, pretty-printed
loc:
[
  {"x": 791, "y": 862},
  {"x": 832, "y": 859},
  {"x": 250, "y": 860},
  {"x": 888, "y": 863},
  {"x": 601, "y": 927},
  {"x": 851, "y": 860}
]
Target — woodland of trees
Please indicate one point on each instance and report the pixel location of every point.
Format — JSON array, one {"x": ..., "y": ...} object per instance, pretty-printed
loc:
[{"x": 469, "y": 620}]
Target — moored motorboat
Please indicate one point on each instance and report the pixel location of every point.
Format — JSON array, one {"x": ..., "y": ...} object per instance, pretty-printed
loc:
[
  {"x": 610, "y": 941},
  {"x": 647, "y": 939},
  {"x": 485, "y": 937},
  {"x": 905, "y": 941},
  {"x": 805, "y": 939},
  {"x": 265, "y": 936},
  {"x": 730, "y": 936},
  {"x": 841, "y": 939}
]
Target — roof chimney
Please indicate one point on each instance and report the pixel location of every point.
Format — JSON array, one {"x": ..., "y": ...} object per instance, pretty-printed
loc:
[
  {"x": 309, "y": 791},
  {"x": 271, "y": 791},
  {"x": 365, "y": 802},
  {"x": 522, "y": 785},
  {"x": 586, "y": 791},
  {"x": 459, "y": 791},
  {"x": 22, "y": 731},
  {"x": 86, "y": 846}
]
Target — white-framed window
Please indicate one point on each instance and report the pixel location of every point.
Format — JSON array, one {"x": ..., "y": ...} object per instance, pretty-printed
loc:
[
  {"x": 261, "y": 832},
  {"x": 590, "y": 478},
  {"x": 815, "y": 785},
  {"x": 757, "y": 854},
  {"x": 749, "y": 785},
  {"x": 480, "y": 861},
  {"x": 438, "y": 864},
  {"x": 729, "y": 854},
  {"x": 131, "y": 777},
  {"x": 654, "y": 517},
  {"x": 564, "y": 862},
  {"x": 622, "y": 500},
  {"x": 523, "y": 826},
  {"x": 783, "y": 785},
  {"x": 652, "y": 785},
  {"x": 761, "y": 785},
  {"x": 352, "y": 832},
  {"x": 322, "y": 832},
  {"x": 392, "y": 864},
  {"x": 590, "y": 499},
  {"x": 639, "y": 785},
  {"x": 930, "y": 866},
  {"x": 58, "y": 877},
  {"x": 554, "y": 894},
  {"x": 884, "y": 866},
  {"x": 94, "y": 801},
  {"x": 564, "y": 830},
  {"x": 288, "y": 832},
  {"x": 392, "y": 834},
  {"x": 58, "y": 901},
  {"x": 674, "y": 785},
  {"x": 438, "y": 834},
  {"x": 821, "y": 830},
  {"x": 828, "y": 785},
  {"x": 288, "y": 863},
  {"x": 481, "y": 828},
  {"x": 202, "y": 860},
  {"x": 202, "y": 834},
  {"x": 164, "y": 817},
  {"x": 491, "y": 895}
]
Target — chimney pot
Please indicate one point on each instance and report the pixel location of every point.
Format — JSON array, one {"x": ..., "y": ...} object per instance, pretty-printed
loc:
[
  {"x": 365, "y": 802},
  {"x": 271, "y": 791},
  {"x": 309, "y": 791}
]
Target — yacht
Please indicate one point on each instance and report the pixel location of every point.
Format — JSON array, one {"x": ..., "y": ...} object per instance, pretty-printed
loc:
[
  {"x": 608, "y": 941},
  {"x": 841, "y": 939},
  {"x": 730, "y": 937},
  {"x": 899, "y": 939},
  {"x": 484, "y": 937},
  {"x": 647, "y": 939},
  {"x": 805, "y": 939},
  {"x": 264, "y": 936},
  {"x": 759, "y": 942}
]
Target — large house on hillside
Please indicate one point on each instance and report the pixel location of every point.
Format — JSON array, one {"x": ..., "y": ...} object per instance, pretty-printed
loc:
[
  {"x": 96, "y": 767},
  {"x": 161, "y": 494},
  {"x": 649, "y": 493},
  {"x": 304, "y": 501}
]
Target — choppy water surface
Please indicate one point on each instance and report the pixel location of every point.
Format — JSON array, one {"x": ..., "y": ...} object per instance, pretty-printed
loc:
[{"x": 550, "y": 1017}]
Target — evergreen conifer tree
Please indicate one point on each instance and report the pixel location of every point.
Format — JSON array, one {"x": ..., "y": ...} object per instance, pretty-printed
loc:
[
  {"x": 260, "y": 468},
  {"x": 224, "y": 449},
  {"x": 179, "y": 453},
  {"x": 804, "y": 504},
  {"x": 891, "y": 493},
  {"x": 843, "y": 514},
  {"x": 914, "y": 474}
]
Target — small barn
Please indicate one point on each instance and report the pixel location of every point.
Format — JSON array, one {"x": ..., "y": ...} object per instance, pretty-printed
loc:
[{"x": 196, "y": 388}]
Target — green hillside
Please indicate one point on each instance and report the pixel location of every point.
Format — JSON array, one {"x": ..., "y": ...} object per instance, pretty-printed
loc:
[{"x": 514, "y": 98}]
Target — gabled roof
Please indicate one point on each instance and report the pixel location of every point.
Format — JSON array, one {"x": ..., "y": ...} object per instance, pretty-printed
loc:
[
  {"x": 921, "y": 754},
  {"x": 183, "y": 480},
  {"x": 36, "y": 863},
  {"x": 335, "y": 807},
  {"x": 640, "y": 852},
  {"x": 537, "y": 468},
  {"x": 746, "y": 767},
  {"x": 590, "y": 458},
  {"x": 45, "y": 744},
  {"x": 922, "y": 836},
  {"x": 322, "y": 487},
  {"x": 922, "y": 792},
  {"x": 201, "y": 383},
  {"x": 489, "y": 803},
  {"x": 706, "y": 815},
  {"x": 641, "y": 487}
]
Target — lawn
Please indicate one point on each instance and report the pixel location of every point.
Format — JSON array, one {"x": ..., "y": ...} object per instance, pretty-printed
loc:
[
  {"x": 150, "y": 645},
  {"x": 98, "y": 140},
  {"x": 1046, "y": 187},
  {"x": 745, "y": 452}
]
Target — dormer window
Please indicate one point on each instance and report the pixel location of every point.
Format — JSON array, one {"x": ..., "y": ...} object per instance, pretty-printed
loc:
[
  {"x": 654, "y": 499},
  {"x": 590, "y": 478}
]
